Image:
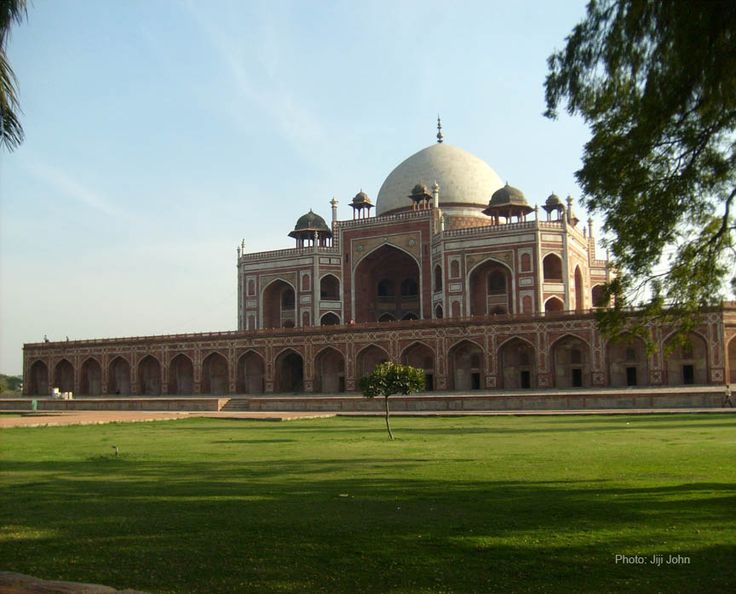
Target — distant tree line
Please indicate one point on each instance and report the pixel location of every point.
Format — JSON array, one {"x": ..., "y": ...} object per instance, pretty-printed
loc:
[{"x": 10, "y": 383}]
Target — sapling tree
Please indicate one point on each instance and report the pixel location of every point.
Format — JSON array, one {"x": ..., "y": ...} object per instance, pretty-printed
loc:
[{"x": 390, "y": 378}]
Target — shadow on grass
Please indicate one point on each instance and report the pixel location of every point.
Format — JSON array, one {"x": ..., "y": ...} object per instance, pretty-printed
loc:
[{"x": 294, "y": 526}]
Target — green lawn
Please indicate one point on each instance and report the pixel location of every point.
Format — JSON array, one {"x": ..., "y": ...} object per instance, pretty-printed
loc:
[{"x": 508, "y": 504}]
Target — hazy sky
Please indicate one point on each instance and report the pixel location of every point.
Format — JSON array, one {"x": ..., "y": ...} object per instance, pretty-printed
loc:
[{"x": 161, "y": 132}]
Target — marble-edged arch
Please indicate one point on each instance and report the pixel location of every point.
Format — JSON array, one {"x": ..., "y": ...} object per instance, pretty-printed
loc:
[
  {"x": 516, "y": 364},
  {"x": 466, "y": 368},
  {"x": 118, "y": 375},
  {"x": 329, "y": 371},
  {"x": 419, "y": 354},
  {"x": 332, "y": 293},
  {"x": 571, "y": 361},
  {"x": 554, "y": 305},
  {"x": 181, "y": 374},
  {"x": 64, "y": 375},
  {"x": 149, "y": 376},
  {"x": 471, "y": 299},
  {"x": 368, "y": 357},
  {"x": 329, "y": 318},
  {"x": 90, "y": 377},
  {"x": 38, "y": 374},
  {"x": 251, "y": 372},
  {"x": 289, "y": 371},
  {"x": 370, "y": 270},
  {"x": 272, "y": 312}
]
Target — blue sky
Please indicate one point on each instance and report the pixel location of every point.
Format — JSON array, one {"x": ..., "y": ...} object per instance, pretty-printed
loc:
[{"x": 161, "y": 132}]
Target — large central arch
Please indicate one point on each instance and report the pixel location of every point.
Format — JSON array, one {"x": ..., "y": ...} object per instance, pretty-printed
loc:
[{"x": 387, "y": 281}]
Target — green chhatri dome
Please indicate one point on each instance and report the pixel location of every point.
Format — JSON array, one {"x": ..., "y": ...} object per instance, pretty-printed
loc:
[
  {"x": 508, "y": 195},
  {"x": 309, "y": 223}
]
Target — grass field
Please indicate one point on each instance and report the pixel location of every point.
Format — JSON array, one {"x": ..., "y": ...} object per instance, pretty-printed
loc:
[{"x": 507, "y": 504}]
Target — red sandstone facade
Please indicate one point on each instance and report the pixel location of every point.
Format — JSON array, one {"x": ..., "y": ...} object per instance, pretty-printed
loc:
[{"x": 488, "y": 299}]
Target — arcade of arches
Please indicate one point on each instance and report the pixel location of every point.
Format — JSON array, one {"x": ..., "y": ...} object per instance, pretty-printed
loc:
[{"x": 569, "y": 360}]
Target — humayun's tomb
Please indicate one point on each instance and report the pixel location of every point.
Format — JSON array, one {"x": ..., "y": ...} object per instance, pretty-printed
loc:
[{"x": 453, "y": 272}]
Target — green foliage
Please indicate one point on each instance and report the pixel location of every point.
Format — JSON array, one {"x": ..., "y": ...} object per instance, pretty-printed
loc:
[
  {"x": 11, "y": 131},
  {"x": 392, "y": 378},
  {"x": 10, "y": 383},
  {"x": 471, "y": 504},
  {"x": 656, "y": 81},
  {"x": 389, "y": 378}
]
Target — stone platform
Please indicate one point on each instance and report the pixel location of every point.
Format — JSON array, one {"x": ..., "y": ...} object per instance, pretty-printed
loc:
[{"x": 451, "y": 402}]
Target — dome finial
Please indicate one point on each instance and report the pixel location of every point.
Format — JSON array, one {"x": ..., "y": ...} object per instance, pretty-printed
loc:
[{"x": 440, "y": 137}]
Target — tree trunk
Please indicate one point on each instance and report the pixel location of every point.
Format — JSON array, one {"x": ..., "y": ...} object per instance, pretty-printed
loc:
[{"x": 388, "y": 422}]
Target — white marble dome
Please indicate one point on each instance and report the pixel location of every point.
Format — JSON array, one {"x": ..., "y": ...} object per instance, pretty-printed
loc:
[{"x": 466, "y": 182}]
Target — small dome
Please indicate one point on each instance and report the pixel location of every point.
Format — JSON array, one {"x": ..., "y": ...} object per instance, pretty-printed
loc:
[
  {"x": 553, "y": 200},
  {"x": 361, "y": 198},
  {"x": 419, "y": 190},
  {"x": 310, "y": 222},
  {"x": 508, "y": 195}
]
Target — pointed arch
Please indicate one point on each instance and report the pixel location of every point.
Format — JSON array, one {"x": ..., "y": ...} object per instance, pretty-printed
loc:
[
  {"x": 289, "y": 371},
  {"x": 215, "y": 374},
  {"x": 38, "y": 379},
  {"x": 329, "y": 287},
  {"x": 466, "y": 366},
  {"x": 149, "y": 376},
  {"x": 181, "y": 375},
  {"x": 367, "y": 359},
  {"x": 421, "y": 356},
  {"x": 118, "y": 376},
  {"x": 330, "y": 319},
  {"x": 571, "y": 362},
  {"x": 437, "y": 278},
  {"x": 554, "y": 305},
  {"x": 579, "y": 291},
  {"x": 438, "y": 311},
  {"x": 278, "y": 299},
  {"x": 597, "y": 298},
  {"x": 64, "y": 376},
  {"x": 627, "y": 361},
  {"x": 251, "y": 373},
  {"x": 90, "y": 381},
  {"x": 489, "y": 288},
  {"x": 517, "y": 364},
  {"x": 687, "y": 363},
  {"x": 552, "y": 268},
  {"x": 386, "y": 281},
  {"x": 329, "y": 371}
]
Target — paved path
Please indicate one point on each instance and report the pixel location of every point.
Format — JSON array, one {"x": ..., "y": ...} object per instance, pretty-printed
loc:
[{"x": 49, "y": 419}]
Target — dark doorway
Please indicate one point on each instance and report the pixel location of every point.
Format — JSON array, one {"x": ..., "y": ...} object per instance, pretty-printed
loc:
[
  {"x": 577, "y": 378},
  {"x": 428, "y": 382},
  {"x": 688, "y": 374},
  {"x": 631, "y": 376},
  {"x": 525, "y": 380},
  {"x": 475, "y": 379}
]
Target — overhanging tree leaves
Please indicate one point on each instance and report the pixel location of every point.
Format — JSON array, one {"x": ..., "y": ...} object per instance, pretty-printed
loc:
[
  {"x": 656, "y": 81},
  {"x": 390, "y": 378},
  {"x": 11, "y": 131}
]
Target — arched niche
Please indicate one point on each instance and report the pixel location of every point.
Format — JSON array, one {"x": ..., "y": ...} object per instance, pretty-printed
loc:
[
  {"x": 181, "y": 375},
  {"x": 251, "y": 373},
  {"x": 571, "y": 363},
  {"x": 39, "y": 379},
  {"x": 118, "y": 376},
  {"x": 215, "y": 378},
  {"x": 64, "y": 376},
  {"x": 289, "y": 376},
  {"x": 330, "y": 319},
  {"x": 437, "y": 278},
  {"x": 279, "y": 305},
  {"x": 552, "y": 268},
  {"x": 90, "y": 380},
  {"x": 490, "y": 289},
  {"x": 329, "y": 371},
  {"x": 421, "y": 356},
  {"x": 466, "y": 366},
  {"x": 368, "y": 358},
  {"x": 386, "y": 282},
  {"x": 579, "y": 293},
  {"x": 554, "y": 305},
  {"x": 517, "y": 365},
  {"x": 686, "y": 363},
  {"x": 439, "y": 312},
  {"x": 149, "y": 376},
  {"x": 627, "y": 361},
  {"x": 329, "y": 288}
]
